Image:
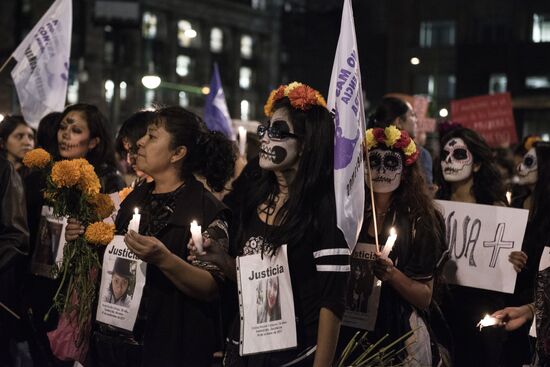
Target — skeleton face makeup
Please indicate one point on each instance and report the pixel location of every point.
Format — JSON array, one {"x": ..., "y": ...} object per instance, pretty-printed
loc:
[
  {"x": 456, "y": 161},
  {"x": 386, "y": 167},
  {"x": 279, "y": 154},
  {"x": 528, "y": 168}
]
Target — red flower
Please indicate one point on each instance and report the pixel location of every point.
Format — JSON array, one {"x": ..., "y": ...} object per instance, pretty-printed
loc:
[
  {"x": 403, "y": 141},
  {"x": 303, "y": 97},
  {"x": 379, "y": 134},
  {"x": 412, "y": 158}
]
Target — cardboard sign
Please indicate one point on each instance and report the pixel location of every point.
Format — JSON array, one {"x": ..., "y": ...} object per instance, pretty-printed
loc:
[
  {"x": 50, "y": 242},
  {"x": 122, "y": 282},
  {"x": 268, "y": 321},
  {"x": 491, "y": 116},
  {"x": 480, "y": 239},
  {"x": 363, "y": 294}
]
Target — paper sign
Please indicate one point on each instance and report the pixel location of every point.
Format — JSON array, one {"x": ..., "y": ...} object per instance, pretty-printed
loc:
[
  {"x": 266, "y": 303},
  {"x": 122, "y": 282},
  {"x": 491, "y": 116},
  {"x": 50, "y": 242},
  {"x": 480, "y": 239},
  {"x": 363, "y": 294}
]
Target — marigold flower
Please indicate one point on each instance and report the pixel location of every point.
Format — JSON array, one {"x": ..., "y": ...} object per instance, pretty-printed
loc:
[
  {"x": 300, "y": 95},
  {"x": 122, "y": 194},
  {"x": 89, "y": 182},
  {"x": 392, "y": 135},
  {"x": 100, "y": 233},
  {"x": 37, "y": 158},
  {"x": 65, "y": 173},
  {"x": 410, "y": 149},
  {"x": 369, "y": 137},
  {"x": 103, "y": 205}
]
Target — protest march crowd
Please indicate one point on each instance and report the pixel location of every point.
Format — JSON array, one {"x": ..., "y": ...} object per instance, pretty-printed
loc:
[{"x": 325, "y": 239}]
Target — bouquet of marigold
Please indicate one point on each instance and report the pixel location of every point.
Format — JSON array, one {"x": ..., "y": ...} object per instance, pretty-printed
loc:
[{"x": 72, "y": 190}]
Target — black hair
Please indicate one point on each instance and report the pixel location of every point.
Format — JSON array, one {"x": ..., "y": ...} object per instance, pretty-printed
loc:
[
  {"x": 97, "y": 124},
  {"x": 521, "y": 148},
  {"x": 387, "y": 111},
  {"x": 541, "y": 193},
  {"x": 46, "y": 135},
  {"x": 310, "y": 205},
  {"x": 488, "y": 187},
  {"x": 7, "y": 126},
  {"x": 209, "y": 153},
  {"x": 133, "y": 129}
]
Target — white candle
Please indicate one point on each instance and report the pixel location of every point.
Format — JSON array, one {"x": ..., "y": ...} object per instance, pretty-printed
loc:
[
  {"x": 134, "y": 223},
  {"x": 487, "y": 321},
  {"x": 196, "y": 234},
  {"x": 242, "y": 141},
  {"x": 389, "y": 242},
  {"x": 509, "y": 197}
]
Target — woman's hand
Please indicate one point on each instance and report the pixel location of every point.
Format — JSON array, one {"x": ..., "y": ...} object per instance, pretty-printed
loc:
[
  {"x": 73, "y": 230},
  {"x": 213, "y": 252},
  {"x": 383, "y": 267},
  {"x": 518, "y": 259},
  {"x": 514, "y": 317},
  {"x": 147, "y": 248}
]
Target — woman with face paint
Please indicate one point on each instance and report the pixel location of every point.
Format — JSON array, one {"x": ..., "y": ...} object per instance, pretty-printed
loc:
[
  {"x": 16, "y": 139},
  {"x": 468, "y": 174},
  {"x": 288, "y": 198},
  {"x": 412, "y": 267}
]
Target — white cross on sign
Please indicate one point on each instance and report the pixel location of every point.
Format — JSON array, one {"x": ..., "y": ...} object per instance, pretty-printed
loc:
[{"x": 498, "y": 244}]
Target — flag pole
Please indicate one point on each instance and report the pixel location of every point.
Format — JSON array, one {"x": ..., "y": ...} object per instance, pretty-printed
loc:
[
  {"x": 10, "y": 311},
  {"x": 372, "y": 201},
  {"x": 6, "y": 63}
]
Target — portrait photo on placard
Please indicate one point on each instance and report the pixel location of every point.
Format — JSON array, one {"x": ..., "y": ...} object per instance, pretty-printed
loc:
[
  {"x": 360, "y": 285},
  {"x": 268, "y": 302},
  {"x": 123, "y": 281}
]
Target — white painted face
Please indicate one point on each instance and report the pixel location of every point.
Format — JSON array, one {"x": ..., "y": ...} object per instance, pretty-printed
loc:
[
  {"x": 387, "y": 168},
  {"x": 280, "y": 147},
  {"x": 457, "y": 161},
  {"x": 528, "y": 168}
]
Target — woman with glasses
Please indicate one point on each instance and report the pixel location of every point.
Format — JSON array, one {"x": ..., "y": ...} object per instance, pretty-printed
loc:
[{"x": 287, "y": 198}]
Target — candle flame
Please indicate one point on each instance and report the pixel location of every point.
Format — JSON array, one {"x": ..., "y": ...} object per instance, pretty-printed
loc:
[
  {"x": 242, "y": 130},
  {"x": 194, "y": 223},
  {"x": 136, "y": 211},
  {"x": 392, "y": 232}
]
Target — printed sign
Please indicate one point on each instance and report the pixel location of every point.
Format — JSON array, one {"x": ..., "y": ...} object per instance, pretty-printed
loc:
[
  {"x": 480, "y": 239},
  {"x": 122, "y": 282},
  {"x": 491, "y": 116},
  {"x": 50, "y": 242},
  {"x": 268, "y": 322},
  {"x": 363, "y": 294}
]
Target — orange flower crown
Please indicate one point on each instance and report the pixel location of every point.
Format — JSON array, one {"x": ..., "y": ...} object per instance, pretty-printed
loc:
[
  {"x": 301, "y": 97},
  {"x": 530, "y": 142}
]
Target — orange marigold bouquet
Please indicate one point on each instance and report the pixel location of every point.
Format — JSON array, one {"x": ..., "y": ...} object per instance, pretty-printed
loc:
[{"x": 72, "y": 189}]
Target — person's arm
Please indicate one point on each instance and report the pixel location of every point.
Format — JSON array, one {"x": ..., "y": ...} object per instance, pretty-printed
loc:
[
  {"x": 327, "y": 338},
  {"x": 418, "y": 293},
  {"x": 514, "y": 317},
  {"x": 191, "y": 280},
  {"x": 215, "y": 254}
]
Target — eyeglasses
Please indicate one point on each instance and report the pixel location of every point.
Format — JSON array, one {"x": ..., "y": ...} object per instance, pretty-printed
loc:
[{"x": 275, "y": 133}]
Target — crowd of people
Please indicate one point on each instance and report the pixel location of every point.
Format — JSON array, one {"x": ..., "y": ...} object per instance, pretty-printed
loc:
[{"x": 277, "y": 203}]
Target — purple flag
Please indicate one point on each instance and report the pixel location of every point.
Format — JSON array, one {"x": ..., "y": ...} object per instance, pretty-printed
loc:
[{"x": 216, "y": 114}]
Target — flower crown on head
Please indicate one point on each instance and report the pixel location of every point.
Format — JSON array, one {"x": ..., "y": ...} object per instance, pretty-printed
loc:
[
  {"x": 301, "y": 97},
  {"x": 393, "y": 138},
  {"x": 530, "y": 142}
]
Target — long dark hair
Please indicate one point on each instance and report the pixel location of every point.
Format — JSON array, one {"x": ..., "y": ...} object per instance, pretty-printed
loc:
[
  {"x": 7, "y": 126},
  {"x": 46, "y": 135},
  {"x": 387, "y": 111},
  {"x": 133, "y": 129},
  {"x": 209, "y": 153},
  {"x": 310, "y": 204},
  {"x": 488, "y": 187},
  {"x": 97, "y": 124},
  {"x": 541, "y": 193}
]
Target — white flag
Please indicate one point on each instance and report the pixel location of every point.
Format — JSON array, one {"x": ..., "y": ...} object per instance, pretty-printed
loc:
[
  {"x": 345, "y": 100},
  {"x": 42, "y": 69}
]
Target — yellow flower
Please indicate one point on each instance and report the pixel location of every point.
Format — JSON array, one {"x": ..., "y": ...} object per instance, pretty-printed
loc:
[
  {"x": 65, "y": 173},
  {"x": 321, "y": 100},
  {"x": 103, "y": 205},
  {"x": 89, "y": 182},
  {"x": 37, "y": 158},
  {"x": 410, "y": 149},
  {"x": 369, "y": 137},
  {"x": 122, "y": 194},
  {"x": 100, "y": 233},
  {"x": 392, "y": 135},
  {"x": 290, "y": 87}
]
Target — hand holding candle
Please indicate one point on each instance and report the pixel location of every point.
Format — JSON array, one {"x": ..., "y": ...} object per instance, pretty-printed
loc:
[
  {"x": 389, "y": 243},
  {"x": 134, "y": 223},
  {"x": 488, "y": 321},
  {"x": 196, "y": 235},
  {"x": 242, "y": 141}
]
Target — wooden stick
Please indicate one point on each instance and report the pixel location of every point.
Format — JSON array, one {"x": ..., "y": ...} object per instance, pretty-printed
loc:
[
  {"x": 372, "y": 200},
  {"x": 10, "y": 311},
  {"x": 6, "y": 63}
]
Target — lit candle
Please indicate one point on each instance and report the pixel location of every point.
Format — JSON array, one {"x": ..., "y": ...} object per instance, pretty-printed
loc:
[
  {"x": 487, "y": 321},
  {"x": 134, "y": 223},
  {"x": 242, "y": 141},
  {"x": 196, "y": 234},
  {"x": 509, "y": 197},
  {"x": 389, "y": 242}
]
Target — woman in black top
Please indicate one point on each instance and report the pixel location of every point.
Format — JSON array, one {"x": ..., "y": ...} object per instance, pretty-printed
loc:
[{"x": 289, "y": 199}]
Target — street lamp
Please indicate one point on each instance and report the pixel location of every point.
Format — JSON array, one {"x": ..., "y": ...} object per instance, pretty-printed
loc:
[
  {"x": 443, "y": 112},
  {"x": 415, "y": 60},
  {"x": 151, "y": 81}
]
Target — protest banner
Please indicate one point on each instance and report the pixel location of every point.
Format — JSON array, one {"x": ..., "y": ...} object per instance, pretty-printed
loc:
[{"x": 480, "y": 239}]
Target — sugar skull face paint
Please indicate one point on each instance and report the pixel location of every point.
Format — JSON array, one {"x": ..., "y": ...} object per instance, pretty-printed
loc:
[
  {"x": 528, "y": 168},
  {"x": 456, "y": 161},
  {"x": 387, "y": 168},
  {"x": 280, "y": 148},
  {"x": 73, "y": 136}
]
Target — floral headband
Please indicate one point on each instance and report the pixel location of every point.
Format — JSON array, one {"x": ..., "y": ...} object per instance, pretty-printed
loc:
[
  {"x": 530, "y": 142},
  {"x": 301, "y": 97},
  {"x": 392, "y": 138}
]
